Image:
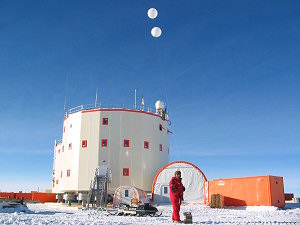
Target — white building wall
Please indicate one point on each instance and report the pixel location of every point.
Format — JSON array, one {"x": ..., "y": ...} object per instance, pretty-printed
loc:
[
  {"x": 88, "y": 156},
  {"x": 56, "y": 168},
  {"x": 71, "y": 155},
  {"x": 68, "y": 158}
]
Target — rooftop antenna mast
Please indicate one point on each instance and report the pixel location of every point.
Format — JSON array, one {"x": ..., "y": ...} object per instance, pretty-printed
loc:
[
  {"x": 65, "y": 103},
  {"x": 96, "y": 98},
  {"x": 66, "y": 93},
  {"x": 134, "y": 98}
]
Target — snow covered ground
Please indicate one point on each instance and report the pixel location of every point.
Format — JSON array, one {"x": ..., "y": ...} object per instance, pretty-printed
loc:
[{"x": 57, "y": 214}]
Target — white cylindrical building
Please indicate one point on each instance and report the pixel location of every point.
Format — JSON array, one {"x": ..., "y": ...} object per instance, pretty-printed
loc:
[{"x": 133, "y": 144}]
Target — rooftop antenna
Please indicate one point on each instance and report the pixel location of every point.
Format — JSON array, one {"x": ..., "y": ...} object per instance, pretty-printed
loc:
[
  {"x": 134, "y": 98},
  {"x": 96, "y": 98},
  {"x": 66, "y": 93},
  {"x": 65, "y": 103}
]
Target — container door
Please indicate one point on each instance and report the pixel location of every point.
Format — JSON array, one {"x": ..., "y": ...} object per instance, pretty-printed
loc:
[
  {"x": 126, "y": 196},
  {"x": 165, "y": 194}
]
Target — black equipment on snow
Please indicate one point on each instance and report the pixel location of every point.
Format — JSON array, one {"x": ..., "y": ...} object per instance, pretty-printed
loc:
[{"x": 142, "y": 210}]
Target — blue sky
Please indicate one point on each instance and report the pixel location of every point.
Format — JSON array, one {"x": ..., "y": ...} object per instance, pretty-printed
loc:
[{"x": 228, "y": 70}]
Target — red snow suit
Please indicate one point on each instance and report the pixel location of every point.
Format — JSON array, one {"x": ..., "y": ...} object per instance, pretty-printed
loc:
[{"x": 176, "y": 195}]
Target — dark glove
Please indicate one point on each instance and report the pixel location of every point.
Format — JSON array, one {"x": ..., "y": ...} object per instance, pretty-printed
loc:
[
  {"x": 183, "y": 188},
  {"x": 179, "y": 196}
]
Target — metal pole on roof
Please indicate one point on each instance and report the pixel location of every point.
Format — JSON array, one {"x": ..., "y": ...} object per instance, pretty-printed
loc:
[
  {"x": 66, "y": 93},
  {"x": 134, "y": 98},
  {"x": 96, "y": 98}
]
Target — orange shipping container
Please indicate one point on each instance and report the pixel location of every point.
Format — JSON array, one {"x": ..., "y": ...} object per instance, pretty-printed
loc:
[
  {"x": 44, "y": 197},
  {"x": 7, "y": 195},
  {"x": 34, "y": 196},
  {"x": 25, "y": 196},
  {"x": 248, "y": 191}
]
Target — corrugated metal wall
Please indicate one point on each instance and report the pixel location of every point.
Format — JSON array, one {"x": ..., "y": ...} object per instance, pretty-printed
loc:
[{"x": 249, "y": 191}]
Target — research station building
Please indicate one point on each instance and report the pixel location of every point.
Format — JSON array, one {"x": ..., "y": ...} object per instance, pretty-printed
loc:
[{"x": 133, "y": 144}]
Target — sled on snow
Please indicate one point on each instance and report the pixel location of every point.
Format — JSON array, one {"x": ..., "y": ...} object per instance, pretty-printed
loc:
[{"x": 129, "y": 200}]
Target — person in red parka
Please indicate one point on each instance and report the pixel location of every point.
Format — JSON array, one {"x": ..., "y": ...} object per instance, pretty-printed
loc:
[{"x": 176, "y": 195}]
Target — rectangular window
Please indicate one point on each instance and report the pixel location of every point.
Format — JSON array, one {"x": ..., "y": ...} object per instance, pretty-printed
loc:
[
  {"x": 70, "y": 145},
  {"x": 125, "y": 172},
  {"x": 104, "y": 142},
  {"x": 104, "y": 121},
  {"x": 70, "y": 125},
  {"x": 84, "y": 143},
  {"x": 126, "y": 193},
  {"x": 165, "y": 190},
  {"x": 61, "y": 174},
  {"x": 68, "y": 173},
  {"x": 56, "y": 181},
  {"x": 160, "y": 127},
  {"x": 160, "y": 147},
  {"x": 126, "y": 143},
  {"x": 146, "y": 144}
]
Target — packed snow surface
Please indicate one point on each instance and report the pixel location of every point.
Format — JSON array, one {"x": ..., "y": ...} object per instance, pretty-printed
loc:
[{"x": 57, "y": 214}]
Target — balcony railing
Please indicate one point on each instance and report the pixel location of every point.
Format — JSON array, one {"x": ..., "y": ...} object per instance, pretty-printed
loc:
[{"x": 99, "y": 106}]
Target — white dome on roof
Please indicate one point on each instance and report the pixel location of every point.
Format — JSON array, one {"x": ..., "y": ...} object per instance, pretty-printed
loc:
[{"x": 159, "y": 105}]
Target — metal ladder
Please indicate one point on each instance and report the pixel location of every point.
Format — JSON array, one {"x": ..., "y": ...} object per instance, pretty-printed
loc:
[{"x": 97, "y": 195}]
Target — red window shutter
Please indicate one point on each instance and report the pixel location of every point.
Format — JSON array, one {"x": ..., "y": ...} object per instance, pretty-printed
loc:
[
  {"x": 61, "y": 173},
  {"x": 104, "y": 142},
  {"x": 126, "y": 143},
  {"x": 125, "y": 172},
  {"x": 63, "y": 148},
  {"x": 160, "y": 147},
  {"x": 160, "y": 127},
  {"x": 84, "y": 144},
  {"x": 104, "y": 121},
  {"x": 56, "y": 181},
  {"x": 146, "y": 144},
  {"x": 68, "y": 173}
]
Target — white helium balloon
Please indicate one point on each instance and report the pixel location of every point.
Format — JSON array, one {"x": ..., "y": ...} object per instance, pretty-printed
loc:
[
  {"x": 156, "y": 32},
  {"x": 152, "y": 13}
]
